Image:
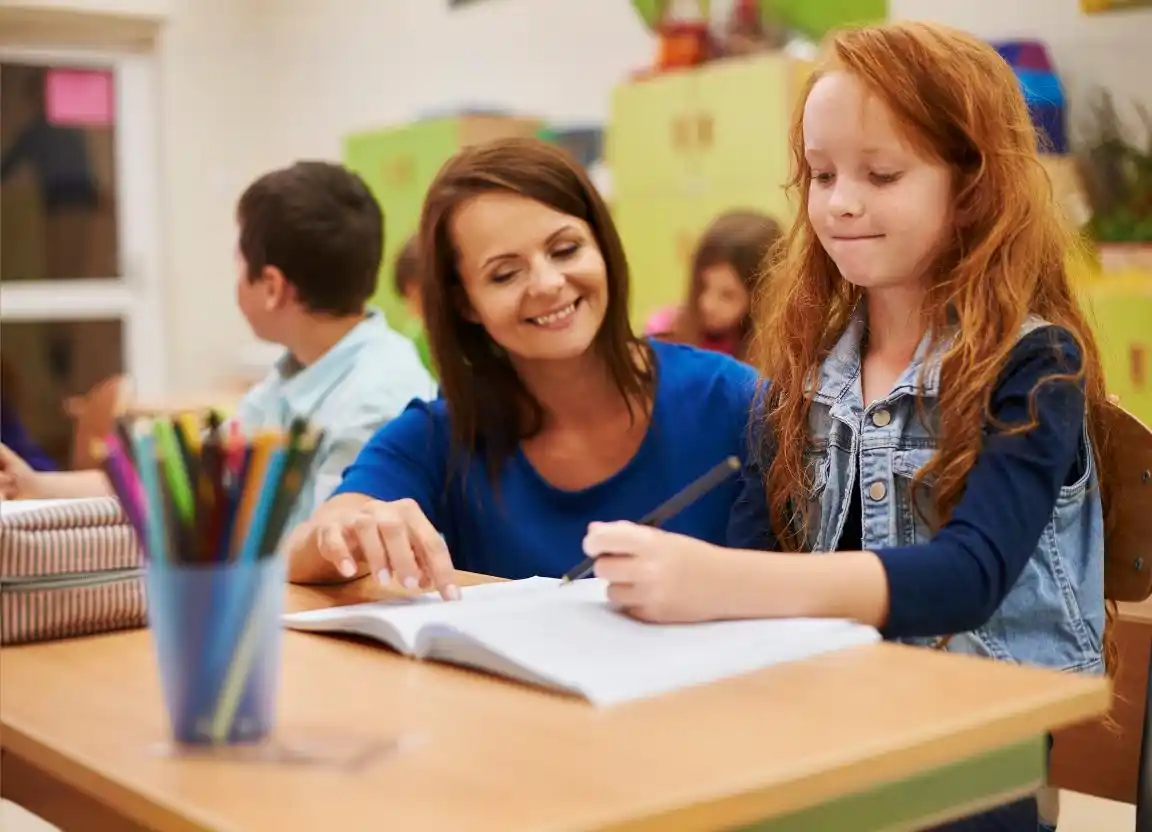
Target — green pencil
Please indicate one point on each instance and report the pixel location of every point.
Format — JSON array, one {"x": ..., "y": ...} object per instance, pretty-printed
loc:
[{"x": 175, "y": 472}]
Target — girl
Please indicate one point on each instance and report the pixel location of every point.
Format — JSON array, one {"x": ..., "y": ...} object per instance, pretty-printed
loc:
[
  {"x": 553, "y": 412},
  {"x": 934, "y": 388},
  {"x": 406, "y": 279},
  {"x": 13, "y": 434},
  {"x": 726, "y": 269}
]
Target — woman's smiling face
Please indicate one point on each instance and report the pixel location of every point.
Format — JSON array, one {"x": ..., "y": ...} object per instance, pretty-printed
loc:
[{"x": 533, "y": 277}]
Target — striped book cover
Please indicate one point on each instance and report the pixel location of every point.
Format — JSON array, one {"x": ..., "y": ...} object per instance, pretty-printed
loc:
[{"x": 68, "y": 568}]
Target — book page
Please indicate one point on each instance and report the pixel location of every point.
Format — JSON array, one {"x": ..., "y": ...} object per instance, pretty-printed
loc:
[
  {"x": 569, "y": 637},
  {"x": 10, "y": 508},
  {"x": 405, "y": 617}
]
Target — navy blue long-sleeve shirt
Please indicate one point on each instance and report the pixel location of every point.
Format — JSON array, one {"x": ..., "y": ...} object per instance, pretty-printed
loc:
[{"x": 955, "y": 582}]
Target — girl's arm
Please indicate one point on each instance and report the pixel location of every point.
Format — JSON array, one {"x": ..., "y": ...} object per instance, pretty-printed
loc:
[
  {"x": 955, "y": 582},
  {"x": 951, "y": 584},
  {"x": 958, "y": 580}
]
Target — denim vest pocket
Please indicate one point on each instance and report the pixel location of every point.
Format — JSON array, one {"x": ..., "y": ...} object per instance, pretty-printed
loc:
[
  {"x": 915, "y": 521},
  {"x": 1070, "y": 494},
  {"x": 817, "y": 464}
]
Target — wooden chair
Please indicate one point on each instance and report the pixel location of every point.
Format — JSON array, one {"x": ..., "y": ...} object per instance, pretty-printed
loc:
[
  {"x": 93, "y": 416},
  {"x": 1115, "y": 762}
]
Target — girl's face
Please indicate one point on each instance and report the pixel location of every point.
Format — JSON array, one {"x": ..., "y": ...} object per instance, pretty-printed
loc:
[
  {"x": 723, "y": 301},
  {"x": 880, "y": 209},
  {"x": 533, "y": 277},
  {"x": 413, "y": 301}
]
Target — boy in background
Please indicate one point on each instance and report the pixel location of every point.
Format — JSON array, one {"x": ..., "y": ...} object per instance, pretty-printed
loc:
[
  {"x": 311, "y": 238},
  {"x": 406, "y": 279}
]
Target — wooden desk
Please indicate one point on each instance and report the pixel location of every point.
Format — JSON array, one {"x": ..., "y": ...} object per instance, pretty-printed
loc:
[{"x": 873, "y": 737}]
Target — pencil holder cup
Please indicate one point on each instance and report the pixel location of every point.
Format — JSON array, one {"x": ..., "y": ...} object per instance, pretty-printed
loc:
[{"x": 216, "y": 631}]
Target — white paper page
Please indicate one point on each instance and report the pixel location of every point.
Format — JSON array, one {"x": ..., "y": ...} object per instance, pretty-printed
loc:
[
  {"x": 408, "y": 615},
  {"x": 10, "y": 508},
  {"x": 570, "y": 635}
]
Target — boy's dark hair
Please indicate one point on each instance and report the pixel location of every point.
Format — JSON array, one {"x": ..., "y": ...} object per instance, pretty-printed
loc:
[
  {"x": 319, "y": 224},
  {"x": 406, "y": 272}
]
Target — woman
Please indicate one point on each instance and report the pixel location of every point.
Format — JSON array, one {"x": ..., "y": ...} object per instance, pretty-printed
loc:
[{"x": 554, "y": 414}]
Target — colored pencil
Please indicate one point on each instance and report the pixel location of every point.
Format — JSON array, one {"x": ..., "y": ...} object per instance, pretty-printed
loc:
[
  {"x": 668, "y": 509},
  {"x": 206, "y": 496}
]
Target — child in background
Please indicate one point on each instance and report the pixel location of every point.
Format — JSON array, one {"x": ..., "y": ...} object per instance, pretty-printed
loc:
[
  {"x": 725, "y": 276},
  {"x": 14, "y": 436},
  {"x": 406, "y": 280},
  {"x": 311, "y": 238},
  {"x": 933, "y": 415},
  {"x": 726, "y": 269}
]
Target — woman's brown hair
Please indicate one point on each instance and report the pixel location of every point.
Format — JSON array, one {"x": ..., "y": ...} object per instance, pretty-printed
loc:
[
  {"x": 492, "y": 410},
  {"x": 740, "y": 239},
  {"x": 958, "y": 102}
]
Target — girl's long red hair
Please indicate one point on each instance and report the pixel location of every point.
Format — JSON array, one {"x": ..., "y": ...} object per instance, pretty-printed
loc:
[{"x": 1006, "y": 258}]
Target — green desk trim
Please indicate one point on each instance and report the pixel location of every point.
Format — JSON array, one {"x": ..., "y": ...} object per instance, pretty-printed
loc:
[{"x": 934, "y": 796}]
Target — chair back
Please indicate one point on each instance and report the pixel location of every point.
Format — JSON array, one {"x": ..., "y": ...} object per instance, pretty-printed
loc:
[
  {"x": 1127, "y": 469},
  {"x": 94, "y": 416}
]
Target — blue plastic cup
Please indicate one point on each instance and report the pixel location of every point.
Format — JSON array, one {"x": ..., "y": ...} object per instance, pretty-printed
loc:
[{"x": 216, "y": 630}]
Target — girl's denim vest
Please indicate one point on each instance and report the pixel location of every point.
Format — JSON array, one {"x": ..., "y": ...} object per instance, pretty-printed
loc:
[{"x": 1054, "y": 615}]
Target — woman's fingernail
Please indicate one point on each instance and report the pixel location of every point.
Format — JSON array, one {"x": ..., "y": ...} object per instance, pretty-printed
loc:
[
  {"x": 347, "y": 568},
  {"x": 384, "y": 576},
  {"x": 453, "y": 592},
  {"x": 411, "y": 583}
]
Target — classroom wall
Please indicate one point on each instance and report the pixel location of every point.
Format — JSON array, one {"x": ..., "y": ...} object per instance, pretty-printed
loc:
[
  {"x": 253, "y": 84},
  {"x": 149, "y": 8},
  {"x": 378, "y": 63},
  {"x": 348, "y": 64},
  {"x": 1107, "y": 50}
]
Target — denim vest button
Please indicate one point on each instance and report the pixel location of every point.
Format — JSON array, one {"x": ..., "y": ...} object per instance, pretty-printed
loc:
[
  {"x": 881, "y": 418},
  {"x": 877, "y": 490}
]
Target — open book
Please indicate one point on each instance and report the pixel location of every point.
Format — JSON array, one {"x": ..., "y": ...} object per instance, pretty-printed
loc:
[{"x": 570, "y": 639}]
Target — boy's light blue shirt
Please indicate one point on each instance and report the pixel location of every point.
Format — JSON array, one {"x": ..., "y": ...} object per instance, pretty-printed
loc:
[{"x": 367, "y": 378}]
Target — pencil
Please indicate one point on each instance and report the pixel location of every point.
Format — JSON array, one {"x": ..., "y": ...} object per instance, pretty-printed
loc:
[
  {"x": 286, "y": 489},
  {"x": 117, "y": 468},
  {"x": 667, "y": 510},
  {"x": 260, "y": 451},
  {"x": 266, "y": 496},
  {"x": 144, "y": 445},
  {"x": 176, "y": 475}
]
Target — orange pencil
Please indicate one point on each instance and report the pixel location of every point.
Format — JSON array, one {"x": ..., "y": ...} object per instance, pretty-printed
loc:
[{"x": 263, "y": 444}]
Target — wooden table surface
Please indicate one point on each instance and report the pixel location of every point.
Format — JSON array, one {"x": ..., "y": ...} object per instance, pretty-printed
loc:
[{"x": 478, "y": 753}]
